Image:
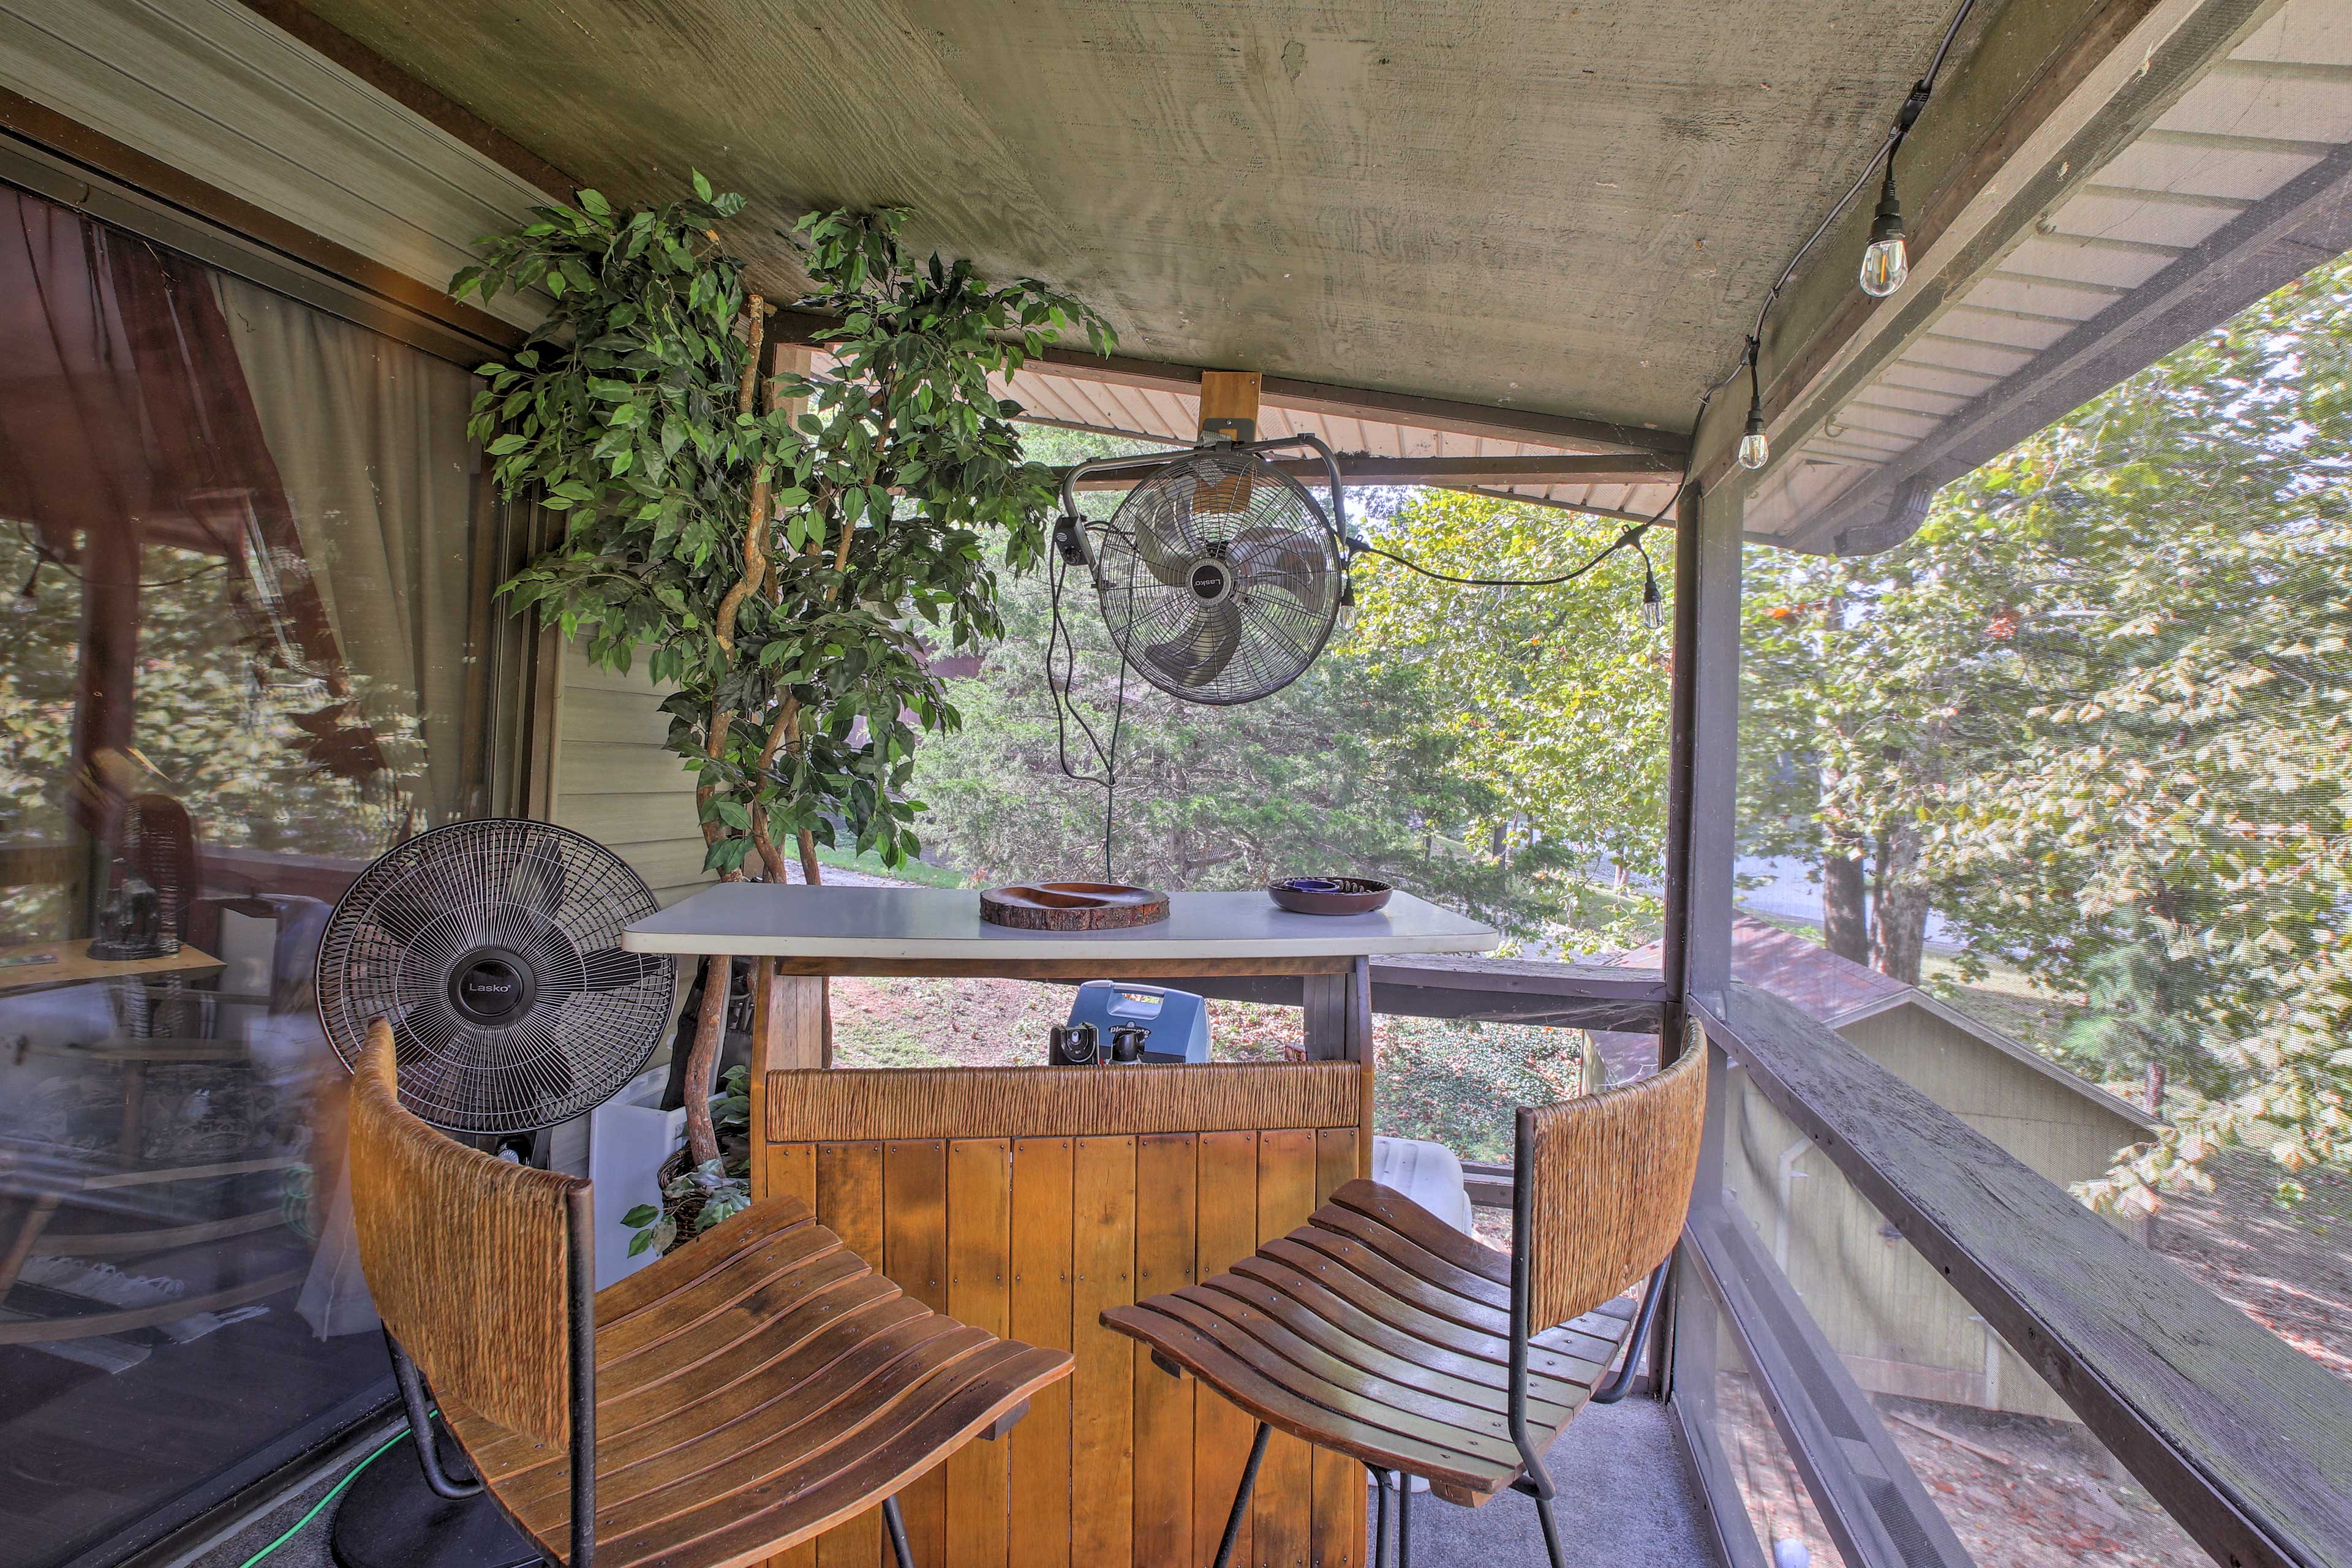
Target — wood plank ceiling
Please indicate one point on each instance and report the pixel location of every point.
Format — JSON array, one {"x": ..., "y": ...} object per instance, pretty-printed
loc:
[{"x": 1565, "y": 209}]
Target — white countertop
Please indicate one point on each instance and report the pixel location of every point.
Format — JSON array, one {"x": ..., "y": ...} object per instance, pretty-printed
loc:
[{"x": 759, "y": 920}]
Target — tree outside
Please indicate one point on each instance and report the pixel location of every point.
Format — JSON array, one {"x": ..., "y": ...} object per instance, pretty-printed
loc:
[{"x": 2093, "y": 716}]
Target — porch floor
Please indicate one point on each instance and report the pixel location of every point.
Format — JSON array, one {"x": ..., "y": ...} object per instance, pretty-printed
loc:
[{"x": 1626, "y": 1501}]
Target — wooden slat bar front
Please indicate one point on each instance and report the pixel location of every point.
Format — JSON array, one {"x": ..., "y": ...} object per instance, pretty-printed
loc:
[{"x": 1030, "y": 1199}]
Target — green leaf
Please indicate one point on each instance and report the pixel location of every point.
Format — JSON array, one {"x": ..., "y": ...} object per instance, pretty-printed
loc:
[{"x": 701, "y": 185}]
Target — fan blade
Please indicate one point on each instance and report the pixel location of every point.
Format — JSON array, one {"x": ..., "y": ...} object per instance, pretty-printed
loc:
[
  {"x": 1291, "y": 559},
  {"x": 1292, "y": 552},
  {"x": 1158, "y": 539},
  {"x": 1199, "y": 653},
  {"x": 610, "y": 969}
]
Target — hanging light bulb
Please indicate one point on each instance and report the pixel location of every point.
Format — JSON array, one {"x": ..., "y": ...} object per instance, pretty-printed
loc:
[
  {"x": 1347, "y": 617},
  {"x": 1653, "y": 603},
  {"x": 1755, "y": 451},
  {"x": 1886, "y": 259}
]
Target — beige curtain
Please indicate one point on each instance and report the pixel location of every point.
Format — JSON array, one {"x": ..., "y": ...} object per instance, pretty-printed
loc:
[{"x": 369, "y": 436}]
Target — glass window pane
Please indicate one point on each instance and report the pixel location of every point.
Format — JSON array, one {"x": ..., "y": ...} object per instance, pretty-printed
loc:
[{"x": 242, "y": 655}]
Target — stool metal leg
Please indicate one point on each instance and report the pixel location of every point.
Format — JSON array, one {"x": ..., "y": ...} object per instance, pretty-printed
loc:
[
  {"x": 1380, "y": 1521},
  {"x": 899, "y": 1547},
  {"x": 1550, "y": 1532},
  {"x": 1404, "y": 1521},
  {"x": 1242, "y": 1497}
]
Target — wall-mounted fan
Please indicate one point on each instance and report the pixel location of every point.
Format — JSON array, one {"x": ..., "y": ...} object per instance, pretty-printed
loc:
[
  {"x": 1219, "y": 576},
  {"x": 492, "y": 948}
]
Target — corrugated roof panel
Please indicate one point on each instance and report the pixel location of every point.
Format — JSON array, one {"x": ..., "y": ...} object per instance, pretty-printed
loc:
[
  {"x": 1967, "y": 353},
  {"x": 2292, "y": 99},
  {"x": 2010, "y": 329},
  {"x": 1894, "y": 394},
  {"x": 1919, "y": 376},
  {"x": 2157, "y": 217},
  {"x": 2041, "y": 296},
  {"x": 2279, "y": 105},
  {"x": 1866, "y": 414},
  {"x": 2299, "y": 32},
  {"x": 2194, "y": 163},
  {"x": 2116, "y": 263}
]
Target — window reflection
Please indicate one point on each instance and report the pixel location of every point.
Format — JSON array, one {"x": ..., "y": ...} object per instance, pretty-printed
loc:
[{"x": 241, "y": 654}]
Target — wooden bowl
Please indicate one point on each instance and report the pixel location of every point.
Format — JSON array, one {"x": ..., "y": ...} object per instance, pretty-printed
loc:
[
  {"x": 1343, "y": 896},
  {"x": 1072, "y": 906}
]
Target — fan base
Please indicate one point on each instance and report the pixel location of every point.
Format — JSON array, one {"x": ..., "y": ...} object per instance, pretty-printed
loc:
[{"x": 389, "y": 1518}]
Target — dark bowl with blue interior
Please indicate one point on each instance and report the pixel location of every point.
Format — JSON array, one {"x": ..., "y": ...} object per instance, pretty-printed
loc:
[{"x": 1330, "y": 895}]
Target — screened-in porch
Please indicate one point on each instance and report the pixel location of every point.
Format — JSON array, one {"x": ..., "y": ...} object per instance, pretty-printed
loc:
[{"x": 1819, "y": 571}]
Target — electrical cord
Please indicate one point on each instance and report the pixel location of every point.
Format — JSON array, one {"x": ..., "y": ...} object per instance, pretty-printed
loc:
[
  {"x": 1065, "y": 710},
  {"x": 1631, "y": 537},
  {"x": 332, "y": 1493}
]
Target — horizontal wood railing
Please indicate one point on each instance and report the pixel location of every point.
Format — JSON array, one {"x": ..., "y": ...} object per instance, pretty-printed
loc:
[
  {"x": 2246, "y": 1441},
  {"x": 1489, "y": 990}
]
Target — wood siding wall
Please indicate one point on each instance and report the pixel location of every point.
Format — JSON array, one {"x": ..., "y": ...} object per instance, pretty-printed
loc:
[
  {"x": 1033, "y": 1236},
  {"x": 614, "y": 782},
  {"x": 218, "y": 92},
  {"x": 1899, "y": 1326}
]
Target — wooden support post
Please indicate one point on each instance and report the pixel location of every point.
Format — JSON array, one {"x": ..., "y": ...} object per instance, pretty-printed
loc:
[
  {"x": 788, "y": 1031},
  {"x": 1338, "y": 1014},
  {"x": 1229, "y": 401}
]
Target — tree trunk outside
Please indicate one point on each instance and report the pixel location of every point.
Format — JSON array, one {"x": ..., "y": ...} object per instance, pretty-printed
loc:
[
  {"x": 1845, "y": 908},
  {"x": 1901, "y": 934}
]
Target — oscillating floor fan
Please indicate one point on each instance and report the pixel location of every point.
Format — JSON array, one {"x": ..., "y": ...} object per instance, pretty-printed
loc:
[
  {"x": 1220, "y": 576},
  {"x": 492, "y": 949}
]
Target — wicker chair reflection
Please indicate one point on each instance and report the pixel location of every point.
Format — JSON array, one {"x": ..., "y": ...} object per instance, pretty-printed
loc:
[
  {"x": 738, "y": 1397},
  {"x": 1380, "y": 1331}
]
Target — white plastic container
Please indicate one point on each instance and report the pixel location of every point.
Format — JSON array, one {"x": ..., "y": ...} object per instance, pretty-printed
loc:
[{"x": 629, "y": 1137}]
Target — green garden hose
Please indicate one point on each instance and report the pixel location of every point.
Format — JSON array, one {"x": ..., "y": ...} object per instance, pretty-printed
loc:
[{"x": 332, "y": 1493}]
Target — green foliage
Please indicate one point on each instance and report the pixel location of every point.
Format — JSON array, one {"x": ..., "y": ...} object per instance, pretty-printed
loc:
[
  {"x": 1345, "y": 771},
  {"x": 706, "y": 1194},
  {"x": 2097, "y": 712},
  {"x": 1554, "y": 698},
  {"x": 1458, "y": 1084},
  {"x": 798, "y": 645}
]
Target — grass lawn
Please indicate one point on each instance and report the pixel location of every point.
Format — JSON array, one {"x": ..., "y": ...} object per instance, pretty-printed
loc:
[{"x": 914, "y": 871}]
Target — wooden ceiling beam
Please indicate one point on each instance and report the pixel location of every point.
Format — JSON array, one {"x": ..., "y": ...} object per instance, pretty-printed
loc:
[
  {"x": 1454, "y": 473},
  {"x": 1326, "y": 401}
]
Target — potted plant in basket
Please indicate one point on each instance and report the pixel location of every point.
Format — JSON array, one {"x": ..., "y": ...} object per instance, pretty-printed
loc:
[{"x": 786, "y": 547}]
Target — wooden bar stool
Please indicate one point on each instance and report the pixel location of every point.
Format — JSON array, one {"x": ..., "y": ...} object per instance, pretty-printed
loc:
[
  {"x": 1381, "y": 1331},
  {"x": 738, "y": 1396}
]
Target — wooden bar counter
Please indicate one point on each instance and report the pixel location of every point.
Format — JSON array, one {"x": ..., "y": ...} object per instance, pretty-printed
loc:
[{"x": 1025, "y": 1200}]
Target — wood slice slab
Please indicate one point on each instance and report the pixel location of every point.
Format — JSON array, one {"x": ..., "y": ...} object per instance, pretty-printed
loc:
[{"x": 1072, "y": 906}]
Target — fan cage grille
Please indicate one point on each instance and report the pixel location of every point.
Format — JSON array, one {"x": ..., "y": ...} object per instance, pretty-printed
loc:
[
  {"x": 1219, "y": 576},
  {"x": 555, "y": 898}
]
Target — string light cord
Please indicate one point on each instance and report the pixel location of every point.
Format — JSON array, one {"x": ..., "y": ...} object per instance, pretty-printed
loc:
[
  {"x": 1630, "y": 537},
  {"x": 1914, "y": 104}
]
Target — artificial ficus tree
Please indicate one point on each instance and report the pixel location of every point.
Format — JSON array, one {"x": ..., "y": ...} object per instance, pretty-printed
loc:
[{"x": 787, "y": 550}]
